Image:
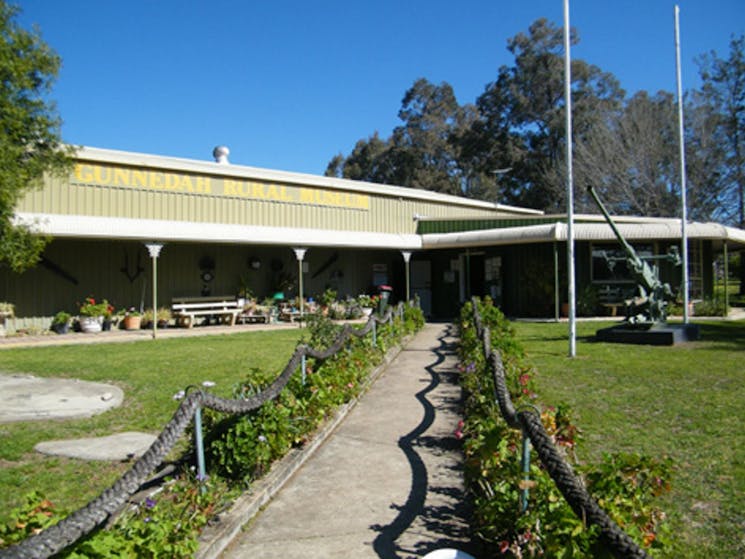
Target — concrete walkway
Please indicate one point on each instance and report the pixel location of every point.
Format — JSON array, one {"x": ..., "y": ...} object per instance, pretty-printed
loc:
[{"x": 388, "y": 483}]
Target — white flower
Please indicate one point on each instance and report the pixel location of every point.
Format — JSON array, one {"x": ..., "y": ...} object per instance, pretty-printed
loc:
[
  {"x": 262, "y": 439},
  {"x": 208, "y": 383},
  {"x": 179, "y": 395}
]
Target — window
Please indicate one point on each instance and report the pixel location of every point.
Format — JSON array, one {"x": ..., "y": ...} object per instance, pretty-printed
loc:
[{"x": 609, "y": 263}]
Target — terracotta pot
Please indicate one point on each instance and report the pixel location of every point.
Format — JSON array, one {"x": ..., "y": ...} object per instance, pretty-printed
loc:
[{"x": 132, "y": 322}]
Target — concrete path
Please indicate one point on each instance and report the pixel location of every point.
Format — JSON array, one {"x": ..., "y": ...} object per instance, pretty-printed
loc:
[{"x": 388, "y": 483}]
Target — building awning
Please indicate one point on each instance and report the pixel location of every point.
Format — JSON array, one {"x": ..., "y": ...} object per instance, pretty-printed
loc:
[
  {"x": 663, "y": 229},
  {"x": 87, "y": 227}
]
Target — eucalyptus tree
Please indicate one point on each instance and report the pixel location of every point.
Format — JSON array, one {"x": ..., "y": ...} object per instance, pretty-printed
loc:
[
  {"x": 30, "y": 143},
  {"x": 723, "y": 91},
  {"x": 630, "y": 157},
  {"x": 422, "y": 152},
  {"x": 522, "y": 115}
]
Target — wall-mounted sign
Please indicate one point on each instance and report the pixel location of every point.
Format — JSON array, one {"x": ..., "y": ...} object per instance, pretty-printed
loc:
[{"x": 90, "y": 174}]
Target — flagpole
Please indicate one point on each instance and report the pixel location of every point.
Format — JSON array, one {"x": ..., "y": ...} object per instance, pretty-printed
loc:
[
  {"x": 681, "y": 144},
  {"x": 570, "y": 184}
]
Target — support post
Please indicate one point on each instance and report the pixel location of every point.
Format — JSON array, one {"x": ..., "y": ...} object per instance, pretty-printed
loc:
[
  {"x": 154, "y": 251},
  {"x": 682, "y": 162},
  {"x": 525, "y": 462},
  {"x": 300, "y": 254},
  {"x": 726, "y": 278},
  {"x": 570, "y": 183},
  {"x": 557, "y": 295},
  {"x": 199, "y": 443},
  {"x": 407, "y": 258}
]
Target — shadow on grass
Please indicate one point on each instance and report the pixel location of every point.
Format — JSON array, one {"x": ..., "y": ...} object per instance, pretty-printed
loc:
[{"x": 724, "y": 335}]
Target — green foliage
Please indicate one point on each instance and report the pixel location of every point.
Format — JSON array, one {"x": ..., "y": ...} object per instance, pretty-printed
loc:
[
  {"x": 413, "y": 319},
  {"x": 588, "y": 302},
  {"x": 166, "y": 524},
  {"x": 710, "y": 307},
  {"x": 328, "y": 297},
  {"x": 323, "y": 331},
  {"x": 62, "y": 317},
  {"x": 30, "y": 143},
  {"x": 624, "y": 484},
  {"x": 36, "y": 514}
]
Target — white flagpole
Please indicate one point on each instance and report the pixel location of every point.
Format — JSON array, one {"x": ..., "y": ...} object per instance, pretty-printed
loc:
[
  {"x": 570, "y": 184},
  {"x": 681, "y": 143}
]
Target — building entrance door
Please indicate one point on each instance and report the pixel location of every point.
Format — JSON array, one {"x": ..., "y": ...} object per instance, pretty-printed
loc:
[{"x": 421, "y": 284}]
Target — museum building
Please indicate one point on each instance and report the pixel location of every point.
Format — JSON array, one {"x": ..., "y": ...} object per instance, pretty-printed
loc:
[{"x": 217, "y": 229}]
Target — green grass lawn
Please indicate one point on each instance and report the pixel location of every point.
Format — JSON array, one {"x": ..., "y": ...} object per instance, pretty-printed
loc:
[
  {"x": 685, "y": 401},
  {"x": 149, "y": 373}
]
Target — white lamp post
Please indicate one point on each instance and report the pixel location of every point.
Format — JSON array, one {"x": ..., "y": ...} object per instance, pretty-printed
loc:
[{"x": 154, "y": 251}]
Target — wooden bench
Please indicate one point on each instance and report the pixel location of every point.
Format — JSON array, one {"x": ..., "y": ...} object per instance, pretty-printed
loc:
[
  {"x": 612, "y": 298},
  {"x": 186, "y": 309}
]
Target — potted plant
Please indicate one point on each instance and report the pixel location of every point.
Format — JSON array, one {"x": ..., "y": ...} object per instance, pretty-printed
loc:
[
  {"x": 61, "y": 322},
  {"x": 108, "y": 316},
  {"x": 7, "y": 310},
  {"x": 367, "y": 303},
  {"x": 132, "y": 319},
  {"x": 147, "y": 319},
  {"x": 163, "y": 316},
  {"x": 91, "y": 314}
]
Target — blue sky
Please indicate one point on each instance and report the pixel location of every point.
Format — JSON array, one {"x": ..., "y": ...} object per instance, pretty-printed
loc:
[{"x": 288, "y": 84}]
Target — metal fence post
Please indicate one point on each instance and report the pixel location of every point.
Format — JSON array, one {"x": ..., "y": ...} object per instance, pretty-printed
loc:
[
  {"x": 525, "y": 462},
  {"x": 375, "y": 333},
  {"x": 199, "y": 443},
  {"x": 303, "y": 367}
]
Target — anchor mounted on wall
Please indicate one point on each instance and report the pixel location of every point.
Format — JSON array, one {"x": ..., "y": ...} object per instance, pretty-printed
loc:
[{"x": 137, "y": 270}]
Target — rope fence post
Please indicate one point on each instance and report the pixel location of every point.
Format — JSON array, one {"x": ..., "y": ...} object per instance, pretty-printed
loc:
[
  {"x": 525, "y": 462},
  {"x": 199, "y": 444}
]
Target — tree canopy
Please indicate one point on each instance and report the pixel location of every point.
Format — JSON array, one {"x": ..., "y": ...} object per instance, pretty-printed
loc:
[
  {"x": 627, "y": 147},
  {"x": 30, "y": 143}
]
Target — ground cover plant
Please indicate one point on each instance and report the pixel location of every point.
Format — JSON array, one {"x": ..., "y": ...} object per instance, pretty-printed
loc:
[
  {"x": 239, "y": 448},
  {"x": 626, "y": 485},
  {"x": 684, "y": 402}
]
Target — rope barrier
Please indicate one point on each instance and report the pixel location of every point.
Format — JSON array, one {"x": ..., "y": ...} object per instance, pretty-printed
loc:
[
  {"x": 569, "y": 484},
  {"x": 83, "y": 521}
]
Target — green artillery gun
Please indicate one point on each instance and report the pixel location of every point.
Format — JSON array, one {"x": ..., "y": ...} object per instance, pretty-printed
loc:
[{"x": 649, "y": 306}]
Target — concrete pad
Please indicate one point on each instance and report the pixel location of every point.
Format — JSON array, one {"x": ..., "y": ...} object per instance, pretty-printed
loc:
[
  {"x": 119, "y": 447},
  {"x": 27, "y": 398}
]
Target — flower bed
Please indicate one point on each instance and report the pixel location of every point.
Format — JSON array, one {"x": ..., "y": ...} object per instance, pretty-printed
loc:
[{"x": 625, "y": 485}]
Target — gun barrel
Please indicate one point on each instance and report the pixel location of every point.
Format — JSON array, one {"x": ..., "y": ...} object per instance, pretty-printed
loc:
[{"x": 626, "y": 246}]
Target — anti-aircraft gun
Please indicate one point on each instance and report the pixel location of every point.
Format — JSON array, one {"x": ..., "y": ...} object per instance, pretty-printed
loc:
[{"x": 649, "y": 306}]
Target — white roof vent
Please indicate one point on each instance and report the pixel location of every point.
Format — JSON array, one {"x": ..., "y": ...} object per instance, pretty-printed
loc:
[{"x": 220, "y": 153}]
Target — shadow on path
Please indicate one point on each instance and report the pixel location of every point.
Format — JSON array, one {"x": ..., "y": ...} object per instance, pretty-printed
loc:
[{"x": 443, "y": 524}]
